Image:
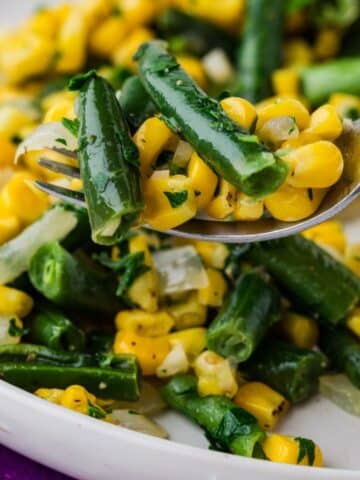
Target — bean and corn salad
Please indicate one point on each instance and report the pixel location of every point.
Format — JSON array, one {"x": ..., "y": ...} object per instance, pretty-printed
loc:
[{"x": 230, "y": 110}]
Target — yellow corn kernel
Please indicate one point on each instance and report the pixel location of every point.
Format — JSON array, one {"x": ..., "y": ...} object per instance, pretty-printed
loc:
[
  {"x": 248, "y": 209},
  {"x": 71, "y": 43},
  {"x": 23, "y": 199},
  {"x": 61, "y": 11},
  {"x": 291, "y": 204},
  {"x": 204, "y": 180},
  {"x": 267, "y": 405},
  {"x": 13, "y": 301},
  {"x": 283, "y": 107},
  {"x": 240, "y": 111},
  {"x": 144, "y": 291},
  {"x": 77, "y": 398},
  {"x": 151, "y": 138},
  {"x": 347, "y": 106},
  {"x": 13, "y": 119},
  {"x": 226, "y": 14},
  {"x": 9, "y": 226},
  {"x": 215, "y": 375},
  {"x": 327, "y": 44},
  {"x": 124, "y": 54},
  {"x": 150, "y": 352},
  {"x": 304, "y": 138},
  {"x": 194, "y": 68},
  {"x": 193, "y": 341},
  {"x": 297, "y": 53},
  {"x": 318, "y": 165},
  {"x": 60, "y": 111},
  {"x": 353, "y": 321},
  {"x": 223, "y": 204},
  {"x": 284, "y": 449},
  {"x": 43, "y": 22},
  {"x": 7, "y": 152},
  {"x": 53, "y": 395},
  {"x": 326, "y": 123},
  {"x": 188, "y": 313},
  {"x": 54, "y": 99},
  {"x": 286, "y": 81},
  {"x": 144, "y": 323},
  {"x": 26, "y": 55},
  {"x": 329, "y": 233},
  {"x": 299, "y": 329},
  {"x": 95, "y": 11},
  {"x": 137, "y": 12},
  {"x": 213, "y": 254},
  {"x": 107, "y": 36},
  {"x": 139, "y": 243},
  {"x": 170, "y": 200},
  {"x": 31, "y": 161},
  {"x": 213, "y": 294},
  {"x": 352, "y": 257}
]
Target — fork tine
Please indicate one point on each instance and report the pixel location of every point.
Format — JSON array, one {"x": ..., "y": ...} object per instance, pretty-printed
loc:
[
  {"x": 59, "y": 167},
  {"x": 64, "y": 193},
  {"x": 66, "y": 152}
]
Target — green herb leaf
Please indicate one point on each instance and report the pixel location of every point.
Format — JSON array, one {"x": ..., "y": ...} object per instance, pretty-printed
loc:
[
  {"x": 78, "y": 81},
  {"x": 71, "y": 125},
  {"x": 306, "y": 449},
  {"x": 176, "y": 198},
  {"x": 61, "y": 140},
  {"x": 96, "y": 412},
  {"x": 15, "y": 331}
]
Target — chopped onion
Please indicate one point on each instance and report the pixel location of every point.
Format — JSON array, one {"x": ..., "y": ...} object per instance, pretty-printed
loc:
[
  {"x": 6, "y": 338},
  {"x": 149, "y": 403},
  {"x": 48, "y": 135},
  {"x": 15, "y": 255},
  {"x": 180, "y": 269},
  {"x": 217, "y": 66},
  {"x": 182, "y": 154},
  {"x": 175, "y": 362},
  {"x": 139, "y": 423},
  {"x": 342, "y": 392},
  {"x": 278, "y": 130}
]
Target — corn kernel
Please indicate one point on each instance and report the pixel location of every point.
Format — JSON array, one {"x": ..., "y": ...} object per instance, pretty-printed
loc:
[
  {"x": 56, "y": 98},
  {"x": 144, "y": 323},
  {"x": 215, "y": 375},
  {"x": 76, "y": 398},
  {"x": 222, "y": 204},
  {"x": 23, "y": 199},
  {"x": 297, "y": 53},
  {"x": 318, "y": 165},
  {"x": 248, "y": 209},
  {"x": 291, "y": 204},
  {"x": 60, "y": 111},
  {"x": 44, "y": 23},
  {"x": 352, "y": 257},
  {"x": 240, "y": 111},
  {"x": 107, "y": 36},
  {"x": 347, "y": 106},
  {"x": 170, "y": 200},
  {"x": 194, "y": 68},
  {"x": 284, "y": 449},
  {"x": 7, "y": 152},
  {"x": 13, "y": 119},
  {"x": 9, "y": 226},
  {"x": 150, "y": 352},
  {"x": 267, "y": 405},
  {"x": 137, "y": 12},
  {"x": 329, "y": 233},
  {"x": 188, "y": 313},
  {"x": 304, "y": 138},
  {"x": 288, "y": 107},
  {"x": 204, "y": 180},
  {"x": 95, "y": 11},
  {"x": 327, "y": 44},
  {"x": 353, "y": 321},
  {"x": 15, "y": 302},
  {"x": 213, "y": 294},
  {"x": 300, "y": 330},
  {"x": 124, "y": 54},
  {"x": 286, "y": 81},
  {"x": 193, "y": 341},
  {"x": 326, "y": 123},
  {"x": 151, "y": 138},
  {"x": 213, "y": 254},
  {"x": 144, "y": 291}
]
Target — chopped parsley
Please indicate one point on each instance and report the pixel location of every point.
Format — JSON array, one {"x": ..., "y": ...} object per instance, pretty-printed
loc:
[
  {"x": 61, "y": 140},
  {"x": 15, "y": 331},
  {"x": 176, "y": 199},
  {"x": 71, "y": 125},
  {"x": 306, "y": 449},
  {"x": 96, "y": 412}
]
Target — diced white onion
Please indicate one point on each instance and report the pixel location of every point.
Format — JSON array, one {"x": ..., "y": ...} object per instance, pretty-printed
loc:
[
  {"x": 339, "y": 390},
  {"x": 278, "y": 130},
  {"x": 175, "y": 362},
  {"x": 182, "y": 154},
  {"x": 217, "y": 66},
  {"x": 5, "y": 323},
  {"x": 48, "y": 135},
  {"x": 180, "y": 269},
  {"x": 139, "y": 423}
]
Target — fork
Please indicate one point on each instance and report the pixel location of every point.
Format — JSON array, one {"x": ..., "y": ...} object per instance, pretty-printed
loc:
[{"x": 336, "y": 200}]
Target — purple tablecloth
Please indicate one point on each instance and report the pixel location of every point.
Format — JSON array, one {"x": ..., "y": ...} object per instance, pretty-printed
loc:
[{"x": 16, "y": 467}]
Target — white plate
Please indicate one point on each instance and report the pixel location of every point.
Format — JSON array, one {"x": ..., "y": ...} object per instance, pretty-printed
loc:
[{"x": 91, "y": 450}]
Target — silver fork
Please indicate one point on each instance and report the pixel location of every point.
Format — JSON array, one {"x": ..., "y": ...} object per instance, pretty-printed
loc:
[{"x": 337, "y": 199}]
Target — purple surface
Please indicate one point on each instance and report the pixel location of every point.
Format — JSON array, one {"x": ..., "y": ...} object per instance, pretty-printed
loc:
[{"x": 16, "y": 467}]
